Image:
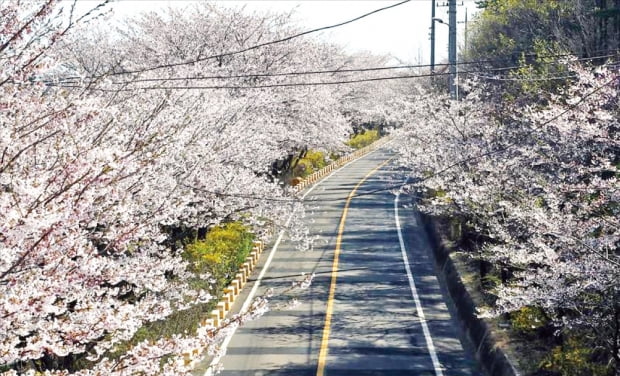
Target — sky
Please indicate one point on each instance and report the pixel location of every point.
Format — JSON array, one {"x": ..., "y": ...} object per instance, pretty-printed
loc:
[{"x": 403, "y": 31}]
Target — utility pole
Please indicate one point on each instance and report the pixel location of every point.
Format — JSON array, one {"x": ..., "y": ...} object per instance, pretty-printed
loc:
[
  {"x": 452, "y": 48},
  {"x": 465, "y": 45},
  {"x": 433, "y": 40}
]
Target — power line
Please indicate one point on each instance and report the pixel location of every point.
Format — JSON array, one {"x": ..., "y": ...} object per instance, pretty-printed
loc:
[
  {"x": 269, "y": 86},
  {"x": 220, "y": 55},
  {"x": 296, "y": 84},
  {"x": 534, "y": 79},
  {"x": 260, "y": 45},
  {"x": 76, "y": 79},
  {"x": 257, "y": 75}
]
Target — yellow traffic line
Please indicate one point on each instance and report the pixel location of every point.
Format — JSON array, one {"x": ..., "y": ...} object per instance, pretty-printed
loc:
[{"x": 332, "y": 286}]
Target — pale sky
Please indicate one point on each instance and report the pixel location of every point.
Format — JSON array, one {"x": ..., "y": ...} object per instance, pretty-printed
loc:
[{"x": 403, "y": 31}]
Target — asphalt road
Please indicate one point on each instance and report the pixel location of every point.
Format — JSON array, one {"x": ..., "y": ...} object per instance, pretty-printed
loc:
[{"x": 371, "y": 323}]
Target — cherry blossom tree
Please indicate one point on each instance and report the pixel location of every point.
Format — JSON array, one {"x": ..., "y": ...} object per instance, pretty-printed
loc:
[
  {"x": 97, "y": 168},
  {"x": 540, "y": 183},
  {"x": 80, "y": 271}
]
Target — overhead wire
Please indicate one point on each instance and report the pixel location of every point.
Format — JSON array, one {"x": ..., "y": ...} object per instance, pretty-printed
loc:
[
  {"x": 257, "y": 46},
  {"x": 77, "y": 80},
  {"x": 288, "y": 38},
  {"x": 308, "y": 84},
  {"x": 532, "y": 79},
  {"x": 265, "y": 86},
  {"x": 260, "y": 45}
]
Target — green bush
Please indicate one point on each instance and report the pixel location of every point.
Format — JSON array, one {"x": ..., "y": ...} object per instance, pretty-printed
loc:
[
  {"x": 221, "y": 253},
  {"x": 439, "y": 194},
  {"x": 363, "y": 139},
  {"x": 573, "y": 359},
  {"x": 528, "y": 319},
  {"x": 313, "y": 160}
]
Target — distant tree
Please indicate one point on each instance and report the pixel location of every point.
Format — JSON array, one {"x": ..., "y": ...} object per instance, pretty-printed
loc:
[
  {"x": 506, "y": 29},
  {"x": 527, "y": 39}
]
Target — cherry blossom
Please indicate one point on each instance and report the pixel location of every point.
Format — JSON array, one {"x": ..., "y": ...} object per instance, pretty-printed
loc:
[
  {"x": 540, "y": 184},
  {"x": 99, "y": 174}
]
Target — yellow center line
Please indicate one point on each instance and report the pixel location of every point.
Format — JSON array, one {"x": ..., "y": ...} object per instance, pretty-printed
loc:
[{"x": 334, "y": 274}]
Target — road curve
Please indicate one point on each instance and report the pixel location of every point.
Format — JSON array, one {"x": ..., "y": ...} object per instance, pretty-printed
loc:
[{"x": 381, "y": 317}]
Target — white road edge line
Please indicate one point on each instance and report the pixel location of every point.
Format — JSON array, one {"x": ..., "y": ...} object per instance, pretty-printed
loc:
[
  {"x": 250, "y": 297},
  {"x": 427, "y": 334}
]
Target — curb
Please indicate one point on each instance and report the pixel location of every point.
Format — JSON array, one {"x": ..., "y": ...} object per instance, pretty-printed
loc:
[
  {"x": 492, "y": 358},
  {"x": 318, "y": 175},
  {"x": 232, "y": 291}
]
